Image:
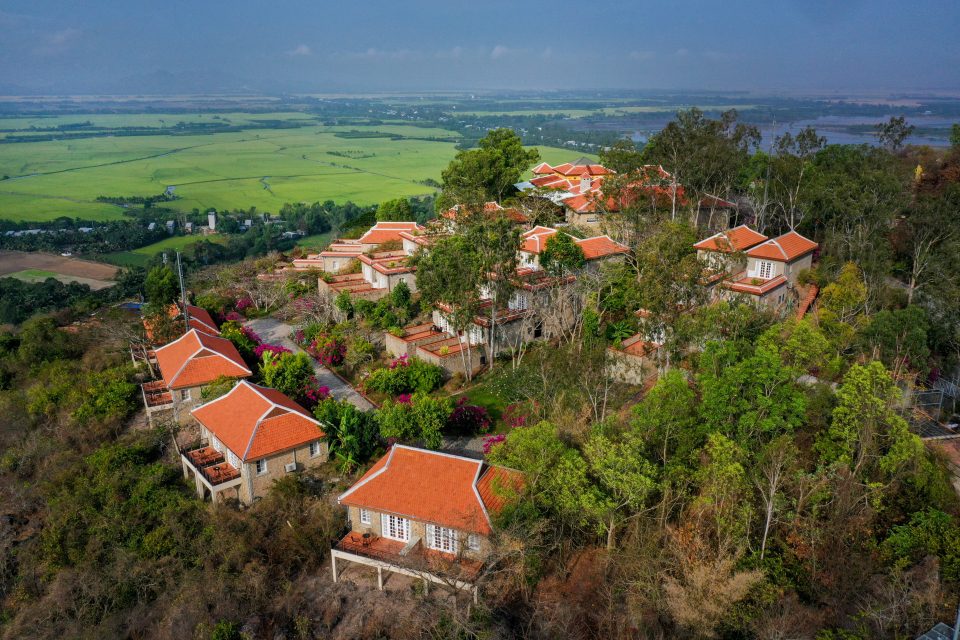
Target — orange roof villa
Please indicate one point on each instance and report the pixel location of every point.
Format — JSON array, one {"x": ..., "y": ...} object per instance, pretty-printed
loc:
[
  {"x": 425, "y": 514},
  {"x": 744, "y": 261},
  {"x": 187, "y": 365},
  {"x": 250, "y": 437}
]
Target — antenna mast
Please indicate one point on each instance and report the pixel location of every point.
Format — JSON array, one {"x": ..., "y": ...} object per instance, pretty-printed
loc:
[{"x": 183, "y": 295}]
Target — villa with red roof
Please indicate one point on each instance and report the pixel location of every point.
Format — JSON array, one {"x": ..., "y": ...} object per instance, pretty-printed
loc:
[
  {"x": 455, "y": 215},
  {"x": 186, "y": 366},
  {"x": 596, "y": 250},
  {"x": 341, "y": 253},
  {"x": 425, "y": 514},
  {"x": 249, "y": 438},
  {"x": 743, "y": 261}
]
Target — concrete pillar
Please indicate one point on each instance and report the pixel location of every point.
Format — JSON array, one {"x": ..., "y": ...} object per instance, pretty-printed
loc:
[
  {"x": 476, "y": 596},
  {"x": 380, "y": 578},
  {"x": 333, "y": 564},
  {"x": 196, "y": 478},
  {"x": 426, "y": 587},
  {"x": 186, "y": 471}
]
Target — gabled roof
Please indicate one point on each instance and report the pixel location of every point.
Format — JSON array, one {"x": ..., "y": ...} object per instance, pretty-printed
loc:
[
  {"x": 387, "y": 231},
  {"x": 785, "y": 248},
  {"x": 255, "y": 422},
  {"x": 579, "y": 167},
  {"x": 433, "y": 487},
  {"x": 196, "y": 359},
  {"x": 601, "y": 247},
  {"x": 733, "y": 240},
  {"x": 201, "y": 320},
  {"x": 535, "y": 240}
]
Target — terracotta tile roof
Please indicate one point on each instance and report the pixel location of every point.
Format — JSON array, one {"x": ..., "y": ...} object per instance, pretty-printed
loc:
[
  {"x": 389, "y": 262},
  {"x": 202, "y": 318},
  {"x": 433, "y": 487},
  {"x": 737, "y": 239},
  {"x": 490, "y": 208},
  {"x": 576, "y": 168},
  {"x": 497, "y": 485},
  {"x": 785, "y": 248},
  {"x": 387, "y": 232},
  {"x": 601, "y": 247},
  {"x": 255, "y": 422},
  {"x": 535, "y": 240},
  {"x": 196, "y": 358}
]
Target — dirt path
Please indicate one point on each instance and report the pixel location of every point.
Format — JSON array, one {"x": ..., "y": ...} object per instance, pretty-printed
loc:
[{"x": 277, "y": 332}]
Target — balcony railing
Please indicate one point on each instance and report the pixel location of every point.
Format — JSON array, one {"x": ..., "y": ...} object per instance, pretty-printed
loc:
[
  {"x": 211, "y": 464},
  {"x": 156, "y": 396}
]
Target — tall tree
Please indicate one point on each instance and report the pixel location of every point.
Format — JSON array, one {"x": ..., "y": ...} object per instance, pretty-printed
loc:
[
  {"x": 450, "y": 274},
  {"x": 893, "y": 133},
  {"x": 487, "y": 173}
]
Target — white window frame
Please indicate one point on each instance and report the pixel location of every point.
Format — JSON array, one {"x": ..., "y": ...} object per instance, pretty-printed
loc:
[
  {"x": 262, "y": 462},
  {"x": 233, "y": 459},
  {"x": 394, "y": 527},
  {"x": 365, "y": 516},
  {"x": 519, "y": 301},
  {"x": 442, "y": 539},
  {"x": 185, "y": 395},
  {"x": 315, "y": 449},
  {"x": 473, "y": 542},
  {"x": 474, "y": 335},
  {"x": 764, "y": 269}
]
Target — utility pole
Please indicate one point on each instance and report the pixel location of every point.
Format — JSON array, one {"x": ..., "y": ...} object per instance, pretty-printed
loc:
[{"x": 183, "y": 295}]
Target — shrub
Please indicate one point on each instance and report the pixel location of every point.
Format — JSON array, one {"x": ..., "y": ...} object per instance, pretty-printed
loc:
[
  {"x": 422, "y": 419},
  {"x": 405, "y": 376},
  {"x": 289, "y": 373},
  {"x": 352, "y": 435},
  {"x": 245, "y": 339},
  {"x": 344, "y": 303},
  {"x": 275, "y": 349},
  {"x": 468, "y": 418},
  {"x": 491, "y": 442},
  {"x": 330, "y": 351}
]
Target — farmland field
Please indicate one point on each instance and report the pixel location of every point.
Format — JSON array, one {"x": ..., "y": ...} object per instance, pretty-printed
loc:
[
  {"x": 37, "y": 267},
  {"x": 140, "y": 257},
  {"x": 260, "y": 167}
]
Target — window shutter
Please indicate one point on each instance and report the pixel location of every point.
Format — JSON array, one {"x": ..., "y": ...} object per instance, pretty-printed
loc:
[{"x": 430, "y": 530}]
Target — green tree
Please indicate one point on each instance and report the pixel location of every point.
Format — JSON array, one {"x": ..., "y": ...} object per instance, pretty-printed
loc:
[
  {"x": 622, "y": 156},
  {"x": 496, "y": 242},
  {"x": 351, "y": 434},
  {"x": 42, "y": 341},
  {"x": 893, "y": 133},
  {"x": 422, "y": 419},
  {"x": 955, "y": 136},
  {"x": 562, "y": 255},
  {"x": 899, "y": 338},
  {"x": 624, "y": 476},
  {"x": 867, "y": 435},
  {"x": 397, "y": 209},
  {"x": 288, "y": 373},
  {"x": 487, "y": 173},
  {"x": 754, "y": 399},
  {"x": 450, "y": 275},
  {"x": 161, "y": 287}
]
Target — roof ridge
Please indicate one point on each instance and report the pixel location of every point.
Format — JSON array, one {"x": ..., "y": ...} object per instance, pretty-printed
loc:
[
  {"x": 363, "y": 481},
  {"x": 219, "y": 398},
  {"x": 253, "y": 434}
]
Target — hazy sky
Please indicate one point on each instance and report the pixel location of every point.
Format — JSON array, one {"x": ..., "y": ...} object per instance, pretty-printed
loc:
[{"x": 316, "y": 45}]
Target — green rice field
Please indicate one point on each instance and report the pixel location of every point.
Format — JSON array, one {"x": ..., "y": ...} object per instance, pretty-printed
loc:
[{"x": 264, "y": 168}]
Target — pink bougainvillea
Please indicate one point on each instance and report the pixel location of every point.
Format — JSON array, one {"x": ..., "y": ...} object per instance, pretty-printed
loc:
[
  {"x": 298, "y": 336},
  {"x": 243, "y": 303},
  {"x": 275, "y": 349},
  {"x": 233, "y": 316},
  {"x": 329, "y": 351},
  {"x": 251, "y": 335},
  {"x": 516, "y": 415},
  {"x": 404, "y": 398},
  {"x": 315, "y": 394},
  {"x": 469, "y": 418},
  {"x": 402, "y": 361},
  {"x": 490, "y": 442}
]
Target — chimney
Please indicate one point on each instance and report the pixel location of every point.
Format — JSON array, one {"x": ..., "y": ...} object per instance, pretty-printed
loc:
[
  {"x": 212, "y": 220},
  {"x": 585, "y": 183}
]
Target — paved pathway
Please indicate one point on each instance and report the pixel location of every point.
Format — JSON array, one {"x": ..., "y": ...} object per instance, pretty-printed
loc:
[{"x": 276, "y": 332}]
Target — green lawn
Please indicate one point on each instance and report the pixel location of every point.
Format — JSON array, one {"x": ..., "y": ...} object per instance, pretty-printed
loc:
[
  {"x": 31, "y": 275},
  {"x": 316, "y": 242},
  {"x": 482, "y": 395},
  {"x": 140, "y": 257}
]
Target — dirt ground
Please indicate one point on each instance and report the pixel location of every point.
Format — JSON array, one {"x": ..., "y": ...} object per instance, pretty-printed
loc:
[{"x": 85, "y": 271}]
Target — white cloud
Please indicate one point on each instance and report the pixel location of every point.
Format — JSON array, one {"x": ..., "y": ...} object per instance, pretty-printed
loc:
[
  {"x": 300, "y": 50},
  {"x": 499, "y": 51}
]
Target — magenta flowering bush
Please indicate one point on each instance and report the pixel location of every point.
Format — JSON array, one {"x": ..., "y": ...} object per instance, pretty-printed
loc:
[
  {"x": 275, "y": 349},
  {"x": 469, "y": 418},
  {"x": 329, "y": 351},
  {"x": 402, "y": 361},
  {"x": 491, "y": 442},
  {"x": 298, "y": 336},
  {"x": 233, "y": 316},
  {"x": 243, "y": 303},
  {"x": 516, "y": 415},
  {"x": 404, "y": 398},
  {"x": 314, "y": 394},
  {"x": 251, "y": 335}
]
